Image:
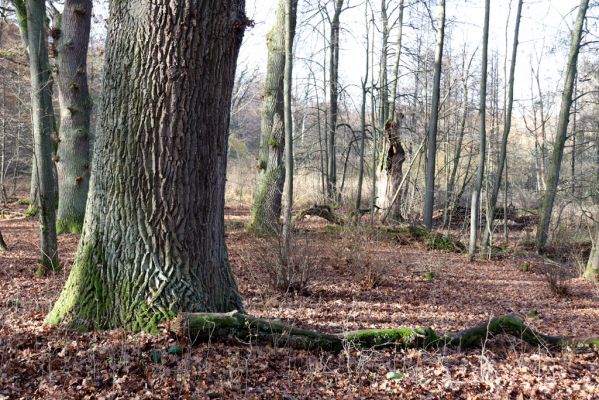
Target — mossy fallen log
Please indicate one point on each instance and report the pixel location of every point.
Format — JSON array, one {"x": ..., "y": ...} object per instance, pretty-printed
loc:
[
  {"x": 322, "y": 211},
  {"x": 201, "y": 327},
  {"x": 432, "y": 240}
]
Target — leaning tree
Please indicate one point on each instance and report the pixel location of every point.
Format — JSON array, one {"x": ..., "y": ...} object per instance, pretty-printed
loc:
[{"x": 153, "y": 239}]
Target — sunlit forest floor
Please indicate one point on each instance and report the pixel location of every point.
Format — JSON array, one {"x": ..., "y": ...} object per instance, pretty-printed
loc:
[{"x": 358, "y": 278}]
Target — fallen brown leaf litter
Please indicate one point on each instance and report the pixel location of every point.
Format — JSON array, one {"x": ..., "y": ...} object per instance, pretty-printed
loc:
[{"x": 360, "y": 279}]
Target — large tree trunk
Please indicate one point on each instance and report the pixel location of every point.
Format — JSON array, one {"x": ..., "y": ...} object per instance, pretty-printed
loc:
[
  {"x": 429, "y": 196},
  {"x": 153, "y": 238},
  {"x": 73, "y": 161},
  {"x": 562, "y": 129},
  {"x": 266, "y": 209},
  {"x": 476, "y": 190},
  {"x": 42, "y": 121},
  {"x": 507, "y": 124}
]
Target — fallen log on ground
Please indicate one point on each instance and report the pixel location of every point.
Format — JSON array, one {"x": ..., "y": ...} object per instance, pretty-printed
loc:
[
  {"x": 323, "y": 211},
  {"x": 234, "y": 325}
]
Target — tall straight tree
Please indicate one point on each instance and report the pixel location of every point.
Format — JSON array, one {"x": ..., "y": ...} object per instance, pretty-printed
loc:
[
  {"x": 42, "y": 121},
  {"x": 290, "y": 12},
  {"x": 507, "y": 125},
  {"x": 21, "y": 14},
  {"x": 266, "y": 208},
  {"x": 73, "y": 161},
  {"x": 395, "y": 77},
  {"x": 333, "y": 98},
  {"x": 562, "y": 128},
  {"x": 592, "y": 269},
  {"x": 429, "y": 196},
  {"x": 153, "y": 239},
  {"x": 363, "y": 112},
  {"x": 482, "y": 114}
]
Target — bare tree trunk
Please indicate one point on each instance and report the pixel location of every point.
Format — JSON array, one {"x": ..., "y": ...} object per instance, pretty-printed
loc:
[
  {"x": 21, "y": 13},
  {"x": 507, "y": 124},
  {"x": 397, "y": 59},
  {"x": 290, "y": 11},
  {"x": 153, "y": 239},
  {"x": 562, "y": 129},
  {"x": 592, "y": 269},
  {"x": 3, "y": 246},
  {"x": 363, "y": 114},
  {"x": 17, "y": 149},
  {"x": 73, "y": 161},
  {"x": 42, "y": 119},
  {"x": 333, "y": 95},
  {"x": 451, "y": 198},
  {"x": 266, "y": 208},
  {"x": 475, "y": 208},
  {"x": 429, "y": 197}
]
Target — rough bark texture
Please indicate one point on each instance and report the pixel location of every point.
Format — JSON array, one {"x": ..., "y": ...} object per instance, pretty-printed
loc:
[
  {"x": 73, "y": 161},
  {"x": 482, "y": 114},
  {"x": 153, "y": 238},
  {"x": 203, "y": 327},
  {"x": 429, "y": 195},
  {"x": 266, "y": 208},
  {"x": 562, "y": 129},
  {"x": 42, "y": 120},
  {"x": 396, "y": 156}
]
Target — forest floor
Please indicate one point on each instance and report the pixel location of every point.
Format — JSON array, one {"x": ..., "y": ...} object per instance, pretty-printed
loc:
[{"x": 359, "y": 278}]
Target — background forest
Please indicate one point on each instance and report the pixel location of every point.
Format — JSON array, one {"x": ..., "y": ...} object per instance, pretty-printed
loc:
[{"x": 390, "y": 165}]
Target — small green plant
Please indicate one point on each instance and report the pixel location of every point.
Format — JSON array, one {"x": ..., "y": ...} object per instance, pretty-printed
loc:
[
  {"x": 525, "y": 267},
  {"x": 31, "y": 211},
  {"x": 24, "y": 202},
  {"x": 443, "y": 243},
  {"x": 40, "y": 271},
  {"x": 394, "y": 375},
  {"x": 428, "y": 276}
]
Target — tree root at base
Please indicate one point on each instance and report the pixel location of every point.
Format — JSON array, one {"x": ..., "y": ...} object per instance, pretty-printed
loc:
[{"x": 213, "y": 326}]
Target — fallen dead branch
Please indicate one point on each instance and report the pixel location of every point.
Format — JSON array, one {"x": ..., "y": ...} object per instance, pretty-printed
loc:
[
  {"x": 213, "y": 326},
  {"x": 322, "y": 211}
]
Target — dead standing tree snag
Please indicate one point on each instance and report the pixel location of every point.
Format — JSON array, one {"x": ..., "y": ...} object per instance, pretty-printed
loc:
[{"x": 396, "y": 156}]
